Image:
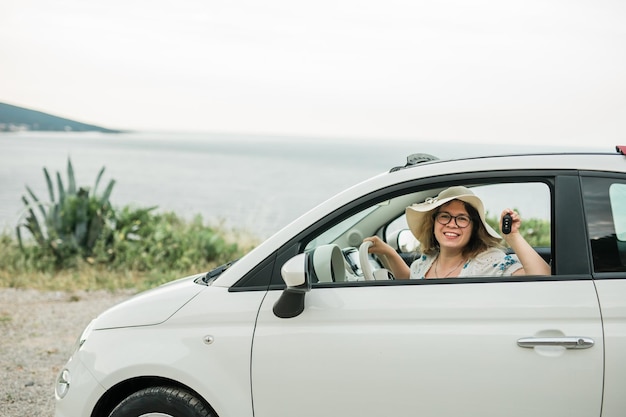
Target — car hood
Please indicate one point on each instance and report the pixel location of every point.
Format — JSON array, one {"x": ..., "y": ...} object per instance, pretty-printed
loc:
[{"x": 150, "y": 307}]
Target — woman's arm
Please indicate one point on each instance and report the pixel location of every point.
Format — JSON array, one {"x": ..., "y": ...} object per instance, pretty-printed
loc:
[{"x": 532, "y": 262}]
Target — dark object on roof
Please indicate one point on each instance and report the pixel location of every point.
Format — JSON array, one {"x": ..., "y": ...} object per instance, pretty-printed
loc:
[{"x": 415, "y": 159}]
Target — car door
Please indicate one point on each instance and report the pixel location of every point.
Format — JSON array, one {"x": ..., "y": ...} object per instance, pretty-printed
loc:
[
  {"x": 476, "y": 347},
  {"x": 438, "y": 350}
]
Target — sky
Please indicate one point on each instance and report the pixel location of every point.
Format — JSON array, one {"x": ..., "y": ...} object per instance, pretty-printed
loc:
[{"x": 534, "y": 71}]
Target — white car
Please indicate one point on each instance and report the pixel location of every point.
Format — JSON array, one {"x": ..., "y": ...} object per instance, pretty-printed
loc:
[{"x": 342, "y": 339}]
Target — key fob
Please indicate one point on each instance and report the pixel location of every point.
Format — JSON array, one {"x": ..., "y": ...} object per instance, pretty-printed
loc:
[{"x": 507, "y": 221}]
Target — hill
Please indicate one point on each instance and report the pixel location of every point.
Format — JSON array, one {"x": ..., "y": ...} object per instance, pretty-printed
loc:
[{"x": 14, "y": 118}]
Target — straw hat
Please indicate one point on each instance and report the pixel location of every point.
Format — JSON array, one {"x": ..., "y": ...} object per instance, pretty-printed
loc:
[{"x": 416, "y": 213}]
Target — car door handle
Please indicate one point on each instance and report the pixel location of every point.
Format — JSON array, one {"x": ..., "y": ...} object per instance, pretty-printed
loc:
[{"x": 566, "y": 342}]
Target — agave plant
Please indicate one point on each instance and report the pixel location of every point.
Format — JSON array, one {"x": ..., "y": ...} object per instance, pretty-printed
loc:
[{"x": 74, "y": 219}]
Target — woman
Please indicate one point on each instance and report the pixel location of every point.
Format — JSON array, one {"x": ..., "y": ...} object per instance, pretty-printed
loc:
[{"x": 456, "y": 241}]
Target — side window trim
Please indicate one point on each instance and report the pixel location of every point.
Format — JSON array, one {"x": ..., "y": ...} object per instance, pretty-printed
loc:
[
  {"x": 572, "y": 255},
  {"x": 514, "y": 177}
]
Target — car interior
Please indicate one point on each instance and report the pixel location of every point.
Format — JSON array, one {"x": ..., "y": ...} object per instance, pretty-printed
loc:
[{"x": 386, "y": 219}]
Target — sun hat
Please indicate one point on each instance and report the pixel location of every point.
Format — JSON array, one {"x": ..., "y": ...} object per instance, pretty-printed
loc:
[{"x": 417, "y": 213}]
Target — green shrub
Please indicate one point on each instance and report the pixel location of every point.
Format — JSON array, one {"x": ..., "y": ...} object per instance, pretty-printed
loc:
[
  {"x": 72, "y": 222},
  {"x": 148, "y": 250},
  {"x": 79, "y": 237},
  {"x": 145, "y": 241}
]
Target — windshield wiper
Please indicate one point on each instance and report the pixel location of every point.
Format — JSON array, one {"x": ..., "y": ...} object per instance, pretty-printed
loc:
[{"x": 210, "y": 276}]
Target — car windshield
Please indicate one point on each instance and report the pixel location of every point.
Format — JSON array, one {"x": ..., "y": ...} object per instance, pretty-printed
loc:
[{"x": 340, "y": 228}]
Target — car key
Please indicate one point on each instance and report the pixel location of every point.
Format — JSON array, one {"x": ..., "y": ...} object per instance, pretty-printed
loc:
[{"x": 507, "y": 221}]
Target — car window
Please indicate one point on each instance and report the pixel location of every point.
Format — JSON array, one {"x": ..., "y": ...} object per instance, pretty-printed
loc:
[
  {"x": 387, "y": 220},
  {"x": 605, "y": 209},
  {"x": 531, "y": 200}
]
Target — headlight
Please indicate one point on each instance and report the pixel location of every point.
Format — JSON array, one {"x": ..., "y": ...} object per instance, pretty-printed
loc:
[
  {"x": 63, "y": 383},
  {"x": 64, "y": 379}
]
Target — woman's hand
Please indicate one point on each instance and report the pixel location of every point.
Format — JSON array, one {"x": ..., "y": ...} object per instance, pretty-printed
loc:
[
  {"x": 378, "y": 246},
  {"x": 532, "y": 263},
  {"x": 394, "y": 261},
  {"x": 515, "y": 224}
]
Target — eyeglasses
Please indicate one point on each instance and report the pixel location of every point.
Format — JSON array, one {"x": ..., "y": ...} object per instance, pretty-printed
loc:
[{"x": 462, "y": 220}]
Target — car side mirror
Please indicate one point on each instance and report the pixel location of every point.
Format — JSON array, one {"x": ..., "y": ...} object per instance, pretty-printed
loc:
[
  {"x": 322, "y": 264},
  {"x": 294, "y": 272}
]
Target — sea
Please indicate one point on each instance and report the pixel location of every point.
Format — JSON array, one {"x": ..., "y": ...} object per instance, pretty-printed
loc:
[{"x": 253, "y": 183}]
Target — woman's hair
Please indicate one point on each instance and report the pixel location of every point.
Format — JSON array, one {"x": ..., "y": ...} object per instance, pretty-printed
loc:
[{"x": 480, "y": 240}]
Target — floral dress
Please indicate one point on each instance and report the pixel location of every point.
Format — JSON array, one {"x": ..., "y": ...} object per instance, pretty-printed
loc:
[{"x": 492, "y": 262}]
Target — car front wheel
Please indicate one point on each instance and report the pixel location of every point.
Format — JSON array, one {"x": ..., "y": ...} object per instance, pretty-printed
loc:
[{"x": 162, "y": 402}]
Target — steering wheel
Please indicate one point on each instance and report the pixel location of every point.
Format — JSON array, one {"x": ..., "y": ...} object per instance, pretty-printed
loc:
[{"x": 366, "y": 267}]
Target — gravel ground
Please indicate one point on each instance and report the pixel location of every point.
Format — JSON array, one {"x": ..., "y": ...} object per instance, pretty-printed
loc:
[{"x": 38, "y": 332}]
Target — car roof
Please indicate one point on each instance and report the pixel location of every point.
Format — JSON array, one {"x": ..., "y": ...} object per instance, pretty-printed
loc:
[{"x": 416, "y": 159}]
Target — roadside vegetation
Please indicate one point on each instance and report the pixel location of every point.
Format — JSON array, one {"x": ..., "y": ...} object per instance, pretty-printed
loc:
[{"x": 79, "y": 241}]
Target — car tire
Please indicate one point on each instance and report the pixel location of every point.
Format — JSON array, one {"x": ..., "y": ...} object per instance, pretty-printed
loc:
[{"x": 161, "y": 401}]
